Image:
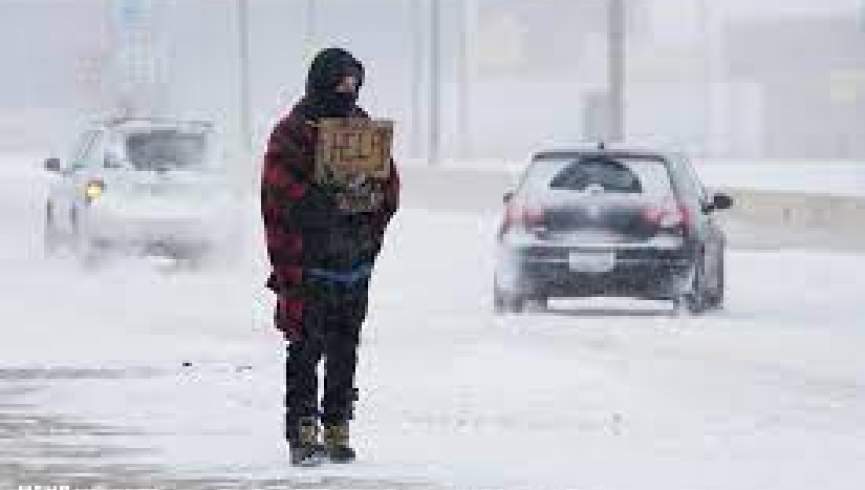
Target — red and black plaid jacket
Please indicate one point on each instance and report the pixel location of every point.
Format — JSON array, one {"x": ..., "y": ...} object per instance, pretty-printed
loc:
[{"x": 300, "y": 236}]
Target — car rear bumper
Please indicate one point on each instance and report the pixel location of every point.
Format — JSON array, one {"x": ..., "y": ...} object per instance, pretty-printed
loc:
[
  {"x": 641, "y": 272},
  {"x": 159, "y": 235}
]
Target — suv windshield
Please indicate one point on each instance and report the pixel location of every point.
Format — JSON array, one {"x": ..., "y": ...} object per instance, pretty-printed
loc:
[
  {"x": 167, "y": 149},
  {"x": 603, "y": 174}
]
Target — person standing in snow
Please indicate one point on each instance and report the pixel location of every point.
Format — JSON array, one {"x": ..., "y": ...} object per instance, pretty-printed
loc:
[{"x": 321, "y": 256}]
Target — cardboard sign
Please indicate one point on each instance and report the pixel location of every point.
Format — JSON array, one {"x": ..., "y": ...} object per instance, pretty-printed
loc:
[
  {"x": 353, "y": 161},
  {"x": 352, "y": 148}
]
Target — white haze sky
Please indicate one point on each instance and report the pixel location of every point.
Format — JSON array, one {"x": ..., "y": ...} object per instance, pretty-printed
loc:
[{"x": 547, "y": 94}]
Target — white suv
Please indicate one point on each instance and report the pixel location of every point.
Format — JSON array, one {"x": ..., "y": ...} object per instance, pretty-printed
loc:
[{"x": 146, "y": 186}]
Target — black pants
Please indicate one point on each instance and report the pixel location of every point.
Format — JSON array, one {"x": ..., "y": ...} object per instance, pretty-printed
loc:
[{"x": 332, "y": 320}]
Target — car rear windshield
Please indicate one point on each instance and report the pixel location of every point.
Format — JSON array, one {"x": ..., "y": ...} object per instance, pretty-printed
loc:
[
  {"x": 600, "y": 174},
  {"x": 166, "y": 150}
]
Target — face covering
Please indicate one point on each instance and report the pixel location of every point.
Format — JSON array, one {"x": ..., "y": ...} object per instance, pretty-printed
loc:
[{"x": 338, "y": 104}]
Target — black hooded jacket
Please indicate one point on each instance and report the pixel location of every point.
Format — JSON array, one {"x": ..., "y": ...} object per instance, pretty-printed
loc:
[{"x": 305, "y": 229}]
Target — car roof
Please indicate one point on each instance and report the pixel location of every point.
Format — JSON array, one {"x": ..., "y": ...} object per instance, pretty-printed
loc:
[{"x": 602, "y": 150}]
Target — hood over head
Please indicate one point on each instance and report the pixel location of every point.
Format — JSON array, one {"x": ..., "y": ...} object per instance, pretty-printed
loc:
[{"x": 328, "y": 68}]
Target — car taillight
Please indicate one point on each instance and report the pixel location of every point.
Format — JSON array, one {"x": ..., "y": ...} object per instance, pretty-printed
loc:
[
  {"x": 523, "y": 217},
  {"x": 93, "y": 190},
  {"x": 672, "y": 216}
]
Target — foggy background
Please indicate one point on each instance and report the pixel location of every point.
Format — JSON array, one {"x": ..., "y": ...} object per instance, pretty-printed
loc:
[
  {"x": 731, "y": 79},
  {"x": 142, "y": 372}
]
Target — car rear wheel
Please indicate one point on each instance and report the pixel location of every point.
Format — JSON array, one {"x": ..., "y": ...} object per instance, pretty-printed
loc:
[
  {"x": 689, "y": 304},
  {"x": 538, "y": 304},
  {"x": 693, "y": 301},
  {"x": 504, "y": 303},
  {"x": 715, "y": 299}
]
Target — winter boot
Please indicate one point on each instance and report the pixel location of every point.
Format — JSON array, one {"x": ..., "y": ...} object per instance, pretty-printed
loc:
[
  {"x": 336, "y": 443},
  {"x": 303, "y": 443}
]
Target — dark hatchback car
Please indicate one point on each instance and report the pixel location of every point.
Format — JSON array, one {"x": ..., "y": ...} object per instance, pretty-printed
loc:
[{"x": 612, "y": 223}]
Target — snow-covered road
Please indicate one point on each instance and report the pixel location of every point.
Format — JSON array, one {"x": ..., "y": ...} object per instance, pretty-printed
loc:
[{"x": 137, "y": 375}]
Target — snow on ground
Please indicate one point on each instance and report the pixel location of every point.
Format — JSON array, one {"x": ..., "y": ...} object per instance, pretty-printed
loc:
[{"x": 137, "y": 375}]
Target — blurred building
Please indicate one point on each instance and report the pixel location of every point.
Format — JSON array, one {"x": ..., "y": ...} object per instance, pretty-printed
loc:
[
  {"x": 55, "y": 58},
  {"x": 810, "y": 76},
  {"x": 713, "y": 78}
]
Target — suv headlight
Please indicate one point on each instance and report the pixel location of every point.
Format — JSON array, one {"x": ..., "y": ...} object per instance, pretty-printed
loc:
[{"x": 93, "y": 190}]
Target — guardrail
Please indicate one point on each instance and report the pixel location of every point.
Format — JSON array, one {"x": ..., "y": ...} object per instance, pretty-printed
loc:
[{"x": 786, "y": 219}]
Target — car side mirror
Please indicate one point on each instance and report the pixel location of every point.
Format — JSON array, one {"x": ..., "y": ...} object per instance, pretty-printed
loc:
[
  {"x": 52, "y": 164},
  {"x": 507, "y": 197},
  {"x": 722, "y": 201}
]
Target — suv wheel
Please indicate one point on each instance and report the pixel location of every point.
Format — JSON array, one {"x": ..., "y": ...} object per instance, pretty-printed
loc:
[
  {"x": 89, "y": 255},
  {"x": 50, "y": 236}
]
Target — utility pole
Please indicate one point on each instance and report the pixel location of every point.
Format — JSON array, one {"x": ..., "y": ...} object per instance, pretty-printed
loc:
[
  {"x": 616, "y": 67},
  {"x": 311, "y": 28},
  {"x": 707, "y": 27},
  {"x": 141, "y": 91},
  {"x": 862, "y": 15},
  {"x": 434, "y": 150},
  {"x": 243, "y": 44},
  {"x": 416, "y": 21},
  {"x": 464, "y": 76}
]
